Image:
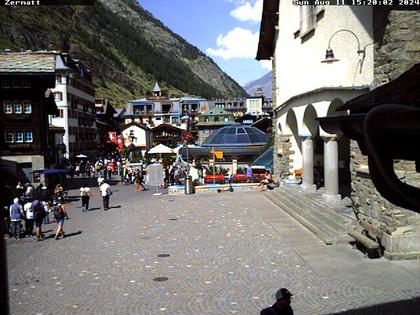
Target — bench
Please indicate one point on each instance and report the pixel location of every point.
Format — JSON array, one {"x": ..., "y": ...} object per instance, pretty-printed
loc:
[{"x": 370, "y": 245}]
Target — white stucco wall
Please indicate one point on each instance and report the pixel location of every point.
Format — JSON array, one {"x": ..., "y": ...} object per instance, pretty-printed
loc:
[
  {"x": 139, "y": 133},
  {"x": 298, "y": 65}
]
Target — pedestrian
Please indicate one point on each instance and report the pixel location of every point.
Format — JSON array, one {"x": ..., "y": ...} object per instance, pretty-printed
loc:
[
  {"x": 39, "y": 215},
  {"x": 16, "y": 214},
  {"x": 249, "y": 178},
  {"x": 60, "y": 214},
  {"x": 106, "y": 192},
  {"x": 100, "y": 180},
  {"x": 268, "y": 179},
  {"x": 19, "y": 189},
  {"x": 139, "y": 181},
  {"x": 282, "y": 305},
  {"x": 85, "y": 194},
  {"x": 29, "y": 218}
]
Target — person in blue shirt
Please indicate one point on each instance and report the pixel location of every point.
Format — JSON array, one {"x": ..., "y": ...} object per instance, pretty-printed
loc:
[
  {"x": 249, "y": 178},
  {"x": 16, "y": 214}
]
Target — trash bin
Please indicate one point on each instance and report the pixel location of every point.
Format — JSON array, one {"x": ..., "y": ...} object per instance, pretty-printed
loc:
[{"x": 189, "y": 189}]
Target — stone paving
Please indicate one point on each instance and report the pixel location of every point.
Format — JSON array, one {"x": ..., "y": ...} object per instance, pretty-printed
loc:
[{"x": 229, "y": 253}]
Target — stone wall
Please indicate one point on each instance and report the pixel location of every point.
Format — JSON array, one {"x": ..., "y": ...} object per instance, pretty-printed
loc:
[
  {"x": 398, "y": 43},
  {"x": 398, "y": 36},
  {"x": 396, "y": 228},
  {"x": 282, "y": 152}
]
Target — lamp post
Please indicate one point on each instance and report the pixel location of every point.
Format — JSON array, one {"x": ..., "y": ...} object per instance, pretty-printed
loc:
[{"x": 329, "y": 54}]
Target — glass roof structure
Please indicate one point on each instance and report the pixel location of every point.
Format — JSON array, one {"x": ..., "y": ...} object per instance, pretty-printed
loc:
[
  {"x": 265, "y": 159},
  {"x": 236, "y": 136}
]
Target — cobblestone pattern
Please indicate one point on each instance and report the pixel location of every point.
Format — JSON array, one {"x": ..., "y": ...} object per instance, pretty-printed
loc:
[{"x": 223, "y": 260}]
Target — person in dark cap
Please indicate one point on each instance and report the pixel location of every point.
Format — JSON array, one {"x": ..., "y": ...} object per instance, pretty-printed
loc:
[{"x": 282, "y": 305}]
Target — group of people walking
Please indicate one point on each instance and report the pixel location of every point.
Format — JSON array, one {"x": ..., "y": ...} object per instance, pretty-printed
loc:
[{"x": 33, "y": 207}]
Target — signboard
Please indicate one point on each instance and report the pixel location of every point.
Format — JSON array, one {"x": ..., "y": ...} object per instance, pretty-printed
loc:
[
  {"x": 155, "y": 173},
  {"x": 112, "y": 136},
  {"x": 218, "y": 154}
]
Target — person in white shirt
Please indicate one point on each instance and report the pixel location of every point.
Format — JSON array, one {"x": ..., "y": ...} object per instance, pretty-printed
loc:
[
  {"x": 29, "y": 218},
  {"x": 100, "y": 180},
  {"x": 85, "y": 194},
  {"x": 106, "y": 192}
]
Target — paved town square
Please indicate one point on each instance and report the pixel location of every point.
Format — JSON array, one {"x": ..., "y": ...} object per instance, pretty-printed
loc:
[{"x": 210, "y": 253}]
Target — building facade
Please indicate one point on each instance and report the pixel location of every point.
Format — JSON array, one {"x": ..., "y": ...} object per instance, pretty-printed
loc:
[
  {"x": 25, "y": 145},
  {"x": 156, "y": 109},
  {"x": 213, "y": 119},
  {"x": 324, "y": 56},
  {"x": 137, "y": 135},
  {"x": 236, "y": 106},
  {"x": 74, "y": 94}
]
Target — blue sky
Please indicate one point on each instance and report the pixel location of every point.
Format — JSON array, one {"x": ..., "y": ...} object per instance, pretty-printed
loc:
[{"x": 226, "y": 30}]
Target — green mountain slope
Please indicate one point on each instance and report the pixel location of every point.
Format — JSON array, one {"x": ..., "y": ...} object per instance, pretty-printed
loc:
[{"x": 124, "y": 45}]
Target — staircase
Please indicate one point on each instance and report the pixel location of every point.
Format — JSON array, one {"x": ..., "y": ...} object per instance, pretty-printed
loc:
[{"x": 330, "y": 223}]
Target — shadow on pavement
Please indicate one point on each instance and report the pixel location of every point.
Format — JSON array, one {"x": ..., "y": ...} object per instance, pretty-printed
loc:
[
  {"x": 115, "y": 207},
  {"x": 93, "y": 209},
  {"x": 406, "y": 307},
  {"x": 76, "y": 183},
  {"x": 67, "y": 235}
]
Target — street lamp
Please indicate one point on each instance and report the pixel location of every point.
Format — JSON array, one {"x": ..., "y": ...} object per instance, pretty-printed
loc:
[{"x": 329, "y": 54}]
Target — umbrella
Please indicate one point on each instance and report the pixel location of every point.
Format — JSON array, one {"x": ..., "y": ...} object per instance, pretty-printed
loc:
[
  {"x": 160, "y": 149},
  {"x": 81, "y": 156}
]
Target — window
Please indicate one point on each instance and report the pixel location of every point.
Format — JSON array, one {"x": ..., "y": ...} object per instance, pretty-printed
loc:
[
  {"x": 28, "y": 135},
  {"x": 16, "y": 83},
  {"x": 27, "y": 107},
  {"x": 60, "y": 114},
  {"x": 58, "y": 96},
  {"x": 7, "y": 107},
  {"x": 216, "y": 118},
  {"x": 26, "y": 83},
  {"x": 5, "y": 83},
  {"x": 18, "y": 107},
  {"x": 226, "y": 119},
  {"x": 307, "y": 19},
  {"x": 18, "y": 136},
  {"x": 9, "y": 136},
  {"x": 58, "y": 78}
]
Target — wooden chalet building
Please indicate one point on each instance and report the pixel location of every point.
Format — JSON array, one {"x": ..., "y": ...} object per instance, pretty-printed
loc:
[{"x": 26, "y": 102}]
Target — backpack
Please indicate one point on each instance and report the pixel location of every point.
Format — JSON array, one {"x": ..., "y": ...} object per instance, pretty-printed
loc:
[
  {"x": 39, "y": 211},
  {"x": 58, "y": 214},
  {"x": 109, "y": 191}
]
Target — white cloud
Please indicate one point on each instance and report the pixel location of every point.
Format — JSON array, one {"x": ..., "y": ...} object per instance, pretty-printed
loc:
[
  {"x": 266, "y": 64},
  {"x": 248, "y": 11},
  {"x": 237, "y": 43}
]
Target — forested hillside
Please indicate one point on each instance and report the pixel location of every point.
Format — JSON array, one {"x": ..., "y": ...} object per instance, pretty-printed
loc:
[{"x": 125, "y": 46}]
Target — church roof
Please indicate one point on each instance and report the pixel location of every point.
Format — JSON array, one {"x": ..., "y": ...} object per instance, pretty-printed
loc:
[{"x": 156, "y": 88}]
